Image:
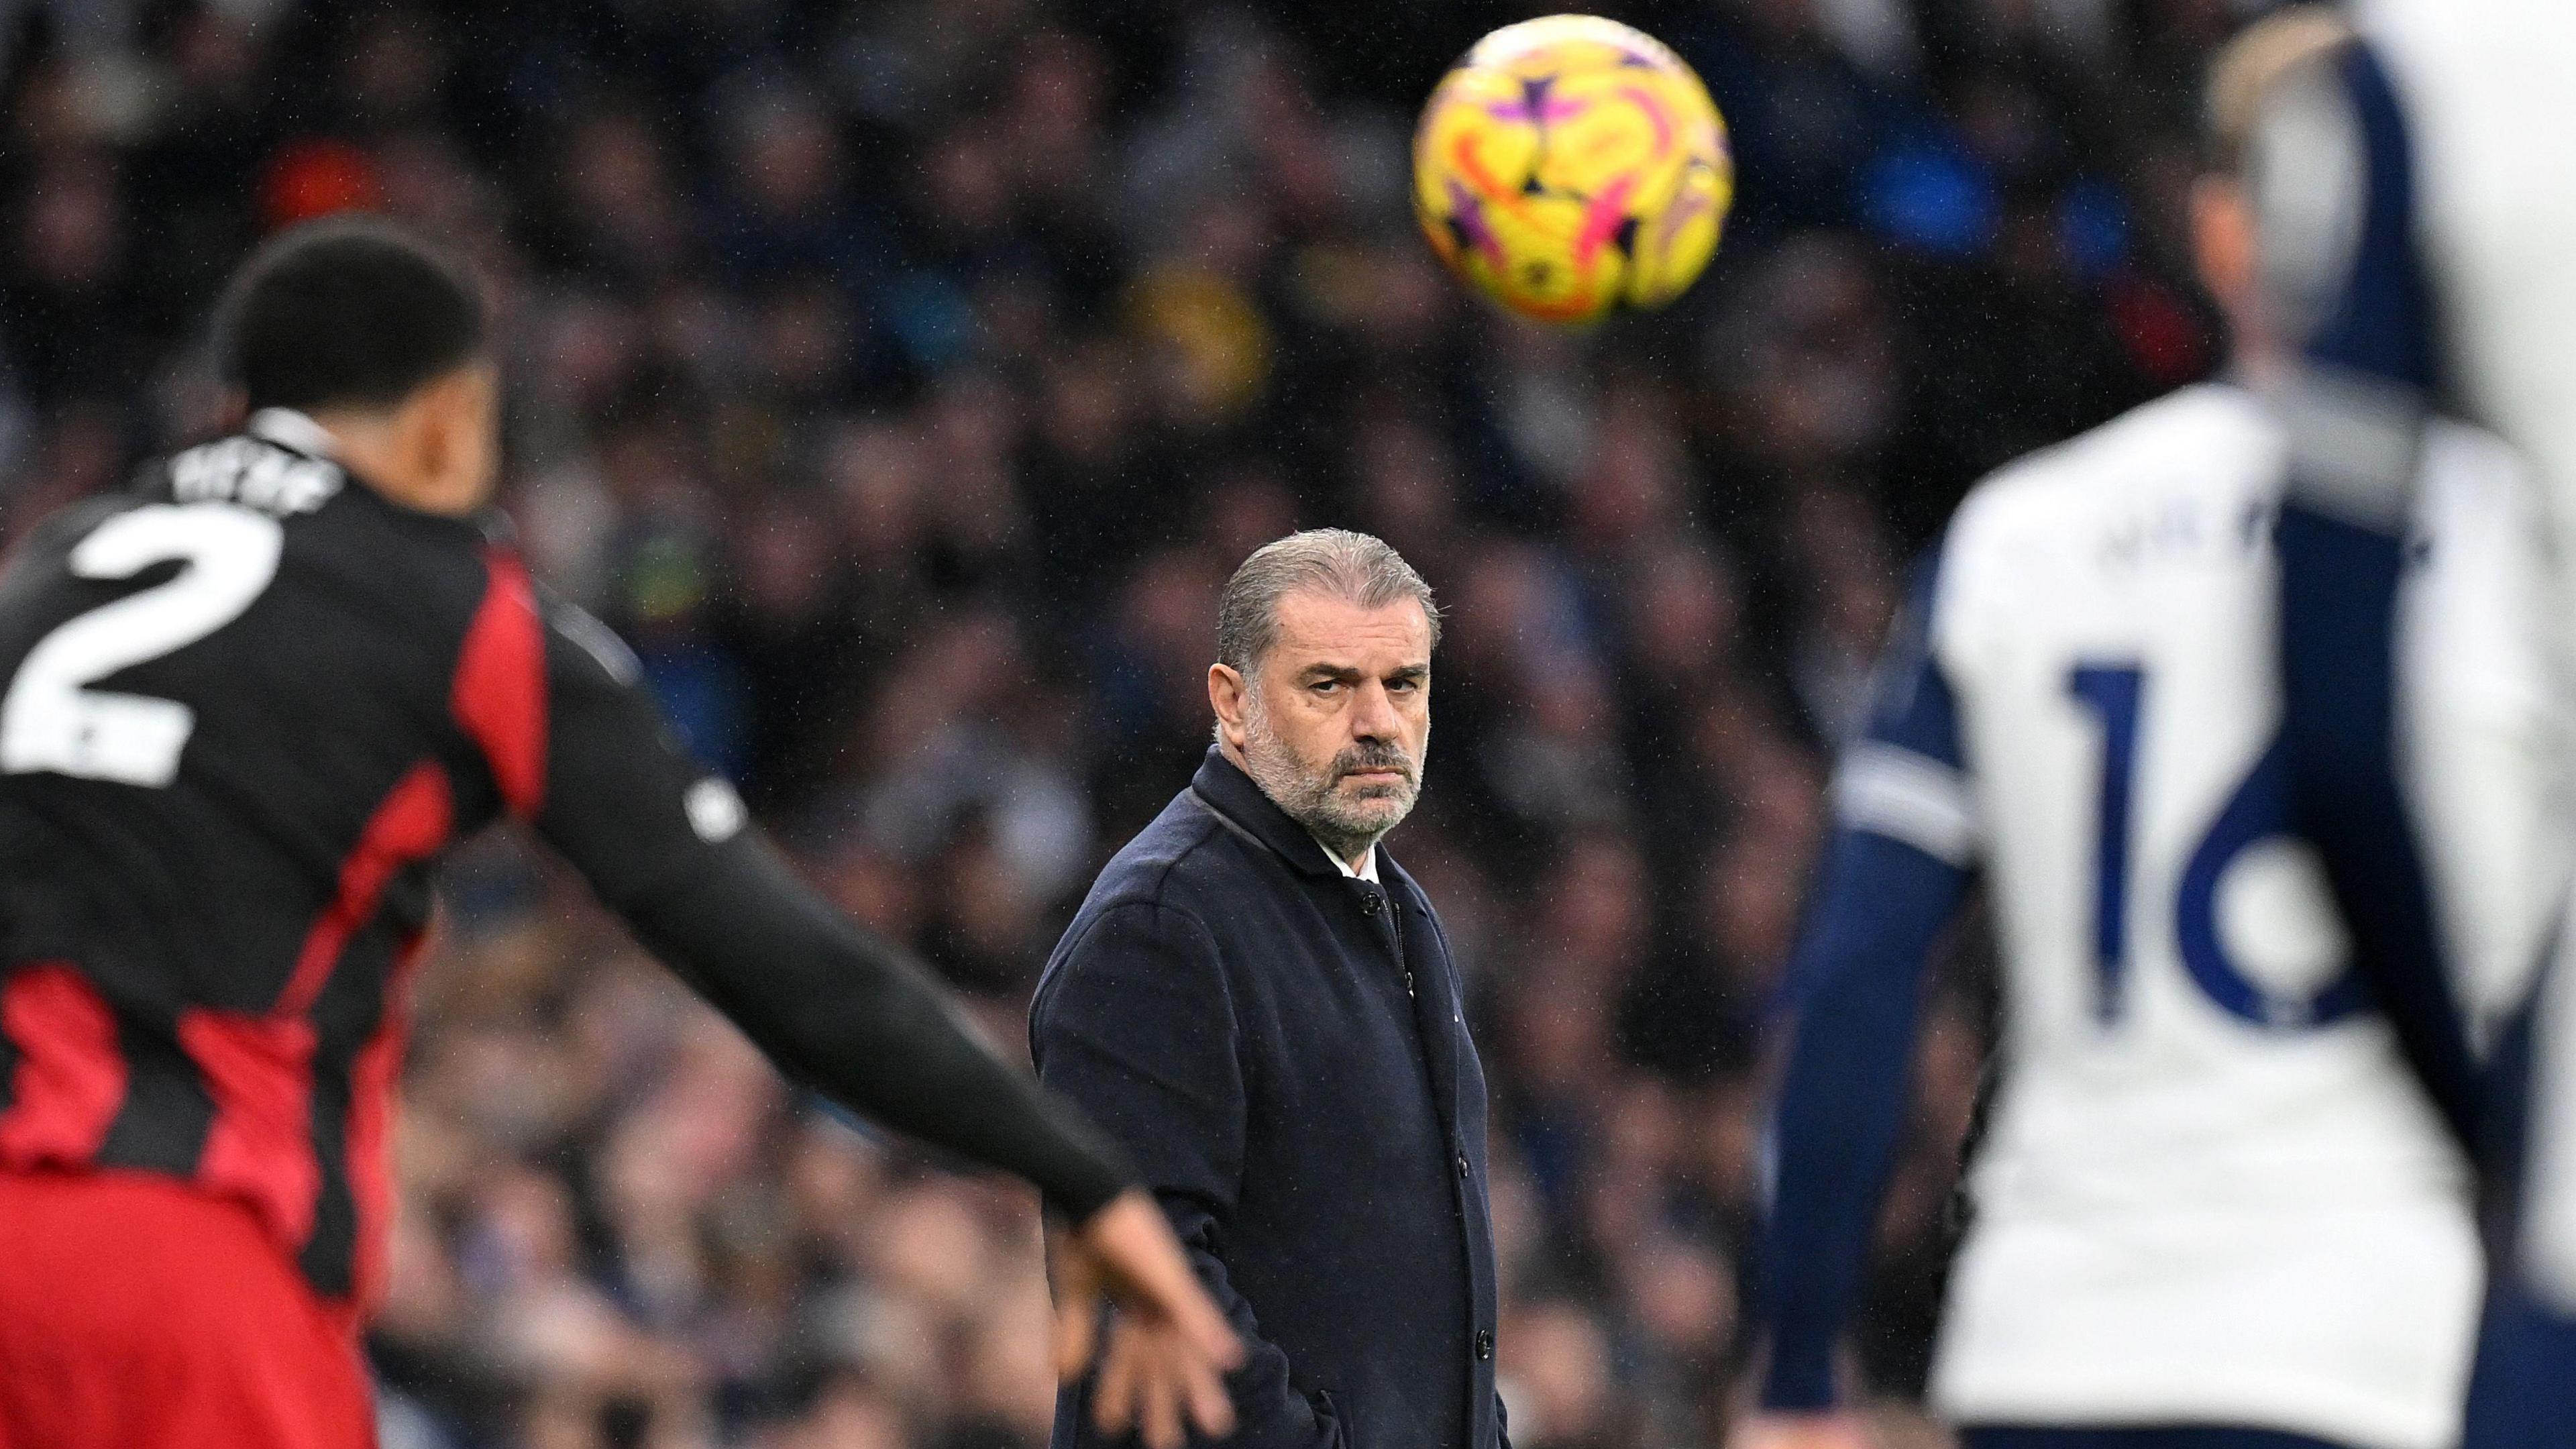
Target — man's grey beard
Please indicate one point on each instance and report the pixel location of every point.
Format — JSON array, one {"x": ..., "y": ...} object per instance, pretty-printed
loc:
[{"x": 1346, "y": 827}]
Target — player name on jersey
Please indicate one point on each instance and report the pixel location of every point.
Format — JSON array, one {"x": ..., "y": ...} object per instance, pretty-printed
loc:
[
  {"x": 247, "y": 471},
  {"x": 241, "y": 470}
]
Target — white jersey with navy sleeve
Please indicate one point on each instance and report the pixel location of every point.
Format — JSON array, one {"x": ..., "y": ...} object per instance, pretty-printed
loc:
[
  {"x": 2209, "y": 1192},
  {"x": 2489, "y": 91}
]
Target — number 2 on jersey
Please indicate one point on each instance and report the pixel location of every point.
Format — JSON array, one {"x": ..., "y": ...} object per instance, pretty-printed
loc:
[
  {"x": 2255, "y": 811},
  {"x": 52, "y": 721}
]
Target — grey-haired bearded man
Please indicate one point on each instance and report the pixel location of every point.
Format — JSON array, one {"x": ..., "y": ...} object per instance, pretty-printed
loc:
[{"x": 1259, "y": 1005}]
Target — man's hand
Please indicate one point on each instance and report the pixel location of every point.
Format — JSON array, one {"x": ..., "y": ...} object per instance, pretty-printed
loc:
[
  {"x": 1776, "y": 1430},
  {"x": 1169, "y": 1348}
]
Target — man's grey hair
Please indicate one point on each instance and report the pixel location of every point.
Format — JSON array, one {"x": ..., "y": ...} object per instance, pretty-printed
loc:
[{"x": 1355, "y": 567}]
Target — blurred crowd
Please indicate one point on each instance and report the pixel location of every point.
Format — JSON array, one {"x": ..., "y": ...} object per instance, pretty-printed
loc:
[{"x": 903, "y": 379}]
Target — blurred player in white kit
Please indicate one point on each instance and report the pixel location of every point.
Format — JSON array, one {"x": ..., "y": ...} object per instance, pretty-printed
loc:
[
  {"x": 2445, "y": 273},
  {"x": 2213, "y": 1210}
]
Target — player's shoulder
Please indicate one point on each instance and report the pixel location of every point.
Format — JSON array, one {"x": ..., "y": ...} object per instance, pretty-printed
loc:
[
  {"x": 1177, "y": 863},
  {"x": 2481, "y": 523},
  {"x": 1157, "y": 888},
  {"x": 2465, "y": 467},
  {"x": 2203, "y": 436}
]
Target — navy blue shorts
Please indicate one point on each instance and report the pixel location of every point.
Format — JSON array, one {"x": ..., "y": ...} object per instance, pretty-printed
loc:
[{"x": 2180, "y": 1436}]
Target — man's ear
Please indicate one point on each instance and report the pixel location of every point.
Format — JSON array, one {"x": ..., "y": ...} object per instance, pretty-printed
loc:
[
  {"x": 1228, "y": 696},
  {"x": 430, "y": 426},
  {"x": 2223, "y": 242},
  {"x": 447, "y": 428}
]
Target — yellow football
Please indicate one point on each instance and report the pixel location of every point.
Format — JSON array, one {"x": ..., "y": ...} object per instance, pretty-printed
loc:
[{"x": 1570, "y": 165}]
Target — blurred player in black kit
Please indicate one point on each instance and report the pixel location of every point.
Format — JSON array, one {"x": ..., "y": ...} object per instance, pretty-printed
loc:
[{"x": 248, "y": 704}]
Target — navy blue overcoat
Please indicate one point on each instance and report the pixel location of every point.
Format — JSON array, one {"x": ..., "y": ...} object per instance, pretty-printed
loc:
[{"x": 1282, "y": 1051}]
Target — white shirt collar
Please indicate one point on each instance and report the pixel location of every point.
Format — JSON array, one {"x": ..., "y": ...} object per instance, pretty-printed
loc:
[{"x": 1368, "y": 862}]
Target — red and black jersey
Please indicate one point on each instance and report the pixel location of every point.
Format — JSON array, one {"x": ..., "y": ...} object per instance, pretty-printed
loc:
[{"x": 247, "y": 707}]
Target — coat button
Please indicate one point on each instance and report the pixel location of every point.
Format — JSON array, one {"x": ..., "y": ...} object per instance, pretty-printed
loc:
[
  {"x": 1368, "y": 903},
  {"x": 1484, "y": 1343},
  {"x": 1462, "y": 1166}
]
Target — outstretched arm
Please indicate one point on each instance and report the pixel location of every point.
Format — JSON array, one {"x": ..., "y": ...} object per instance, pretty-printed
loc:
[{"x": 838, "y": 1009}]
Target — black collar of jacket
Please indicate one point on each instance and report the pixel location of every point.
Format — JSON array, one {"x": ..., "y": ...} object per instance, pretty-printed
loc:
[{"x": 1237, "y": 802}]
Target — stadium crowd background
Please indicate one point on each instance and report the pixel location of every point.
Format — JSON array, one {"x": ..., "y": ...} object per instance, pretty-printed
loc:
[{"x": 903, "y": 379}]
